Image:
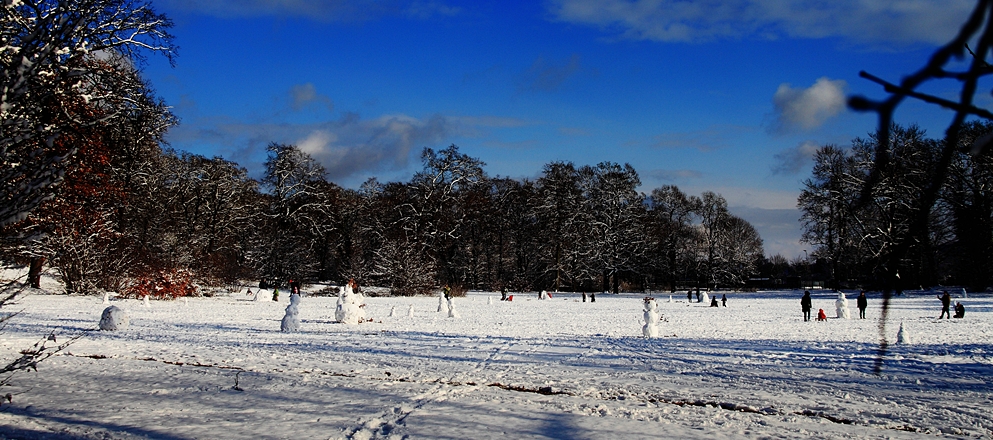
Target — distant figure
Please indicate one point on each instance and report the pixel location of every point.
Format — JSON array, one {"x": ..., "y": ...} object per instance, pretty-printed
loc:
[
  {"x": 713, "y": 301},
  {"x": 503, "y": 294},
  {"x": 698, "y": 295},
  {"x": 805, "y": 305},
  {"x": 592, "y": 297},
  {"x": 689, "y": 296},
  {"x": 821, "y": 316},
  {"x": 584, "y": 296},
  {"x": 275, "y": 294},
  {"x": 862, "y": 302},
  {"x": 946, "y": 302},
  {"x": 448, "y": 293},
  {"x": 724, "y": 300},
  {"x": 959, "y": 310}
]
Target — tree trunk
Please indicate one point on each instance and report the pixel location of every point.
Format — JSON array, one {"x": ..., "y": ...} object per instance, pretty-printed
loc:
[{"x": 34, "y": 273}]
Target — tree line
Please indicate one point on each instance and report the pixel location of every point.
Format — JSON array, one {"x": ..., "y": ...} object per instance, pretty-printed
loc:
[
  {"x": 868, "y": 241},
  {"x": 163, "y": 221}
]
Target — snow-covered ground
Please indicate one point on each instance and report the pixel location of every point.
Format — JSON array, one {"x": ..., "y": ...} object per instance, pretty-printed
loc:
[{"x": 217, "y": 368}]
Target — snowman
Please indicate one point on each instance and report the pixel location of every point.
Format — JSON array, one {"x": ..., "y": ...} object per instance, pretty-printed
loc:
[
  {"x": 114, "y": 318},
  {"x": 451, "y": 310},
  {"x": 903, "y": 336},
  {"x": 350, "y": 303},
  {"x": 841, "y": 306},
  {"x": 291, "y": 321},
  {"x": 651, "y": 328}
]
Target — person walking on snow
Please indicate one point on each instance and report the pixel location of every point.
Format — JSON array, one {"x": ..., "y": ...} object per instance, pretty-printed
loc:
[
  {"x": 724, "y": 300},
  {"x": 946, "y": 302},
  {"x": 862, "y": 302},
  {"x": 805, "y": 305}
]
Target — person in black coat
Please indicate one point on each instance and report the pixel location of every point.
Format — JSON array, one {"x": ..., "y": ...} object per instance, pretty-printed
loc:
[
  {"x": 862, "y": 302},
  {"x": 806, "y": 304},
  {"x": 959, "y": 310},
  {"x": 946, "y": 302}
]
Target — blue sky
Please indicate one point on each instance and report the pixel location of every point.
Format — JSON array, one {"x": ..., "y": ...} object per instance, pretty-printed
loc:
[{"x": 728, "y": 96}]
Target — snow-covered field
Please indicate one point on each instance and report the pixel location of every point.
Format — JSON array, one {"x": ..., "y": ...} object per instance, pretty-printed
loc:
[{"x": 218, "y": 368}]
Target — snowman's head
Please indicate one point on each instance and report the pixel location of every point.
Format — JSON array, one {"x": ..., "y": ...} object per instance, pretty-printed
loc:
[{"x": 649, "y": 303}]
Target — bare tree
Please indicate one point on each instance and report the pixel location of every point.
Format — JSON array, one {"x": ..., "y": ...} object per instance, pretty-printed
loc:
[
  {"x": 614, "y": 208},
  {"x": 47, "y": 52},
  {"x": 559, "y": 211},
  {"x": 670, "y": 230},
  {"x": 298, "y": 209}
]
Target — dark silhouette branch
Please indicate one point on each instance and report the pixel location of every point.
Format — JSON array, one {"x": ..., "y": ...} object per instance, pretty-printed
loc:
[{"x": 979, "y": 24}]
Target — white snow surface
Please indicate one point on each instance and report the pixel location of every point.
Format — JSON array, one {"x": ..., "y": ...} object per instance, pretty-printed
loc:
[{"x": 220, "y": 368}]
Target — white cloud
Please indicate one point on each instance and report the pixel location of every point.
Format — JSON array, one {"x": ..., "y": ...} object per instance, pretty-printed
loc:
[
  {"x": 792, "y": 160},
  {"x": 317, "y": 142},
  {"x": 861, "y": 21},
  {"x": 303, "y": 95},
  {"x": 809, "y": 108},
  {"x": 350, "y": 148}
]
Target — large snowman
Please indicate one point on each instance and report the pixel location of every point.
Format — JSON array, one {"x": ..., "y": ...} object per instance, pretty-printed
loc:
[
  {"x": 349, "y": 310},
  {"x": 841, "y": 306},
  {"x": 651, "y": 328}
]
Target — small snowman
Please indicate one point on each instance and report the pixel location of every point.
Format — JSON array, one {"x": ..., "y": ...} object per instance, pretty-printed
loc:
[
  {"x": 410, "y": 311},
  {"x": 705, "y": 298},
  {"x": 651, "y": 328},
  {"x": 841, "y": 306},
  {"x": 903, "y": 336},
  {"x": 442, "y": 307},
  {"x": 451, "y": 310},
  {"x": 291, "y": 321},
  {"x": 114, "y": 318}
]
